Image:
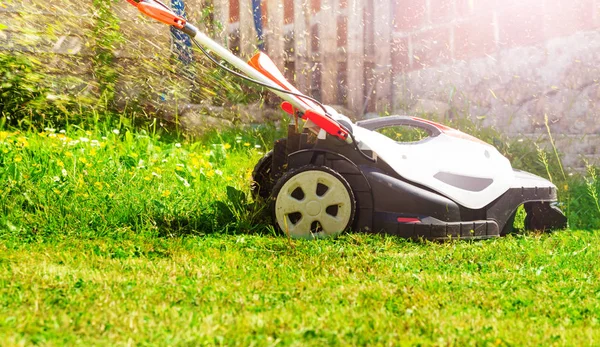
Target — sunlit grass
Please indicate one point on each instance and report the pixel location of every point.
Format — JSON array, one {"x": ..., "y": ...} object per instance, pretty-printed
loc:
[{"x": 80, "y": 181}]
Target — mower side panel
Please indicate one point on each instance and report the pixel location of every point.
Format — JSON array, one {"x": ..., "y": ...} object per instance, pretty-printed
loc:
[
  {"x": 406, "y": 200},
  {"x": 468, "y": 172}
]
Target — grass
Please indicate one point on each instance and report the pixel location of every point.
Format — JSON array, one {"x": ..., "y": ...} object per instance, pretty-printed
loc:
[
  {"x": 253, "y": 289},
  {"x": 115, "y": 236}
]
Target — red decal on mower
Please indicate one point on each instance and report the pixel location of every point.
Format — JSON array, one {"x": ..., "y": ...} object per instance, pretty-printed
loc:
[
  {"x": 263, "y": 64},
  {"x": 450, "y": 131},
  {"x": 408, "y": 220},
  {"x": 324, "y": 122}
]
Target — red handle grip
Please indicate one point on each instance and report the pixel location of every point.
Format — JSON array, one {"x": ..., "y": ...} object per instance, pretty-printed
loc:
[{"x": 159, "y": 11}]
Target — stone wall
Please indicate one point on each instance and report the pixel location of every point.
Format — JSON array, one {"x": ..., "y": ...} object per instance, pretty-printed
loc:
[{"x": 508, "y": 63}]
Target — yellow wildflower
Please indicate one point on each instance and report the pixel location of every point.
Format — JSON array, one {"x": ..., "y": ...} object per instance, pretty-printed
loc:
[
  {"x": 98, "y": 185},
  {"x": 18, "y": 159},
  {"x": 69, "y": 154},
  {"x": 60, "y": 163},
  {"x": 227, "y": 146},
  {"x": 166, "y": 193},
  {"x": 22, "y": 141}
]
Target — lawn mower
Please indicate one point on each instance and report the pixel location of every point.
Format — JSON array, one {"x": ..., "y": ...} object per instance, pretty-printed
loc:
[{"x": 331, "y": 174}]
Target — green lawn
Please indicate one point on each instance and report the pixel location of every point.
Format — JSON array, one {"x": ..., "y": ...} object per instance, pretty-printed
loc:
[
  {"x": 244, "y": 289},
  {"x": 116, "y": 237}
]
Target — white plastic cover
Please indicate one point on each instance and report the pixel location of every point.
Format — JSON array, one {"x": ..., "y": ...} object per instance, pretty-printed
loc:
[{"x": 420, "y": 161}]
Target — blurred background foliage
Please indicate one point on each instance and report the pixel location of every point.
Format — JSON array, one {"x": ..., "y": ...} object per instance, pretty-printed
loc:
[{"x": 62, "y": 62}]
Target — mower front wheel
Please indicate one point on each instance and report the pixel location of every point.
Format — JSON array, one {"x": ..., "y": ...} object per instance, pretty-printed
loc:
[{"x": 313, "y": 202}]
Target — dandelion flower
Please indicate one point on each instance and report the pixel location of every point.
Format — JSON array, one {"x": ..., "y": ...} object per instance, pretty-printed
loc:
[
  {"x": 98, "y": 185},
  {"x": 18, "y": 159},
  {"x": 166, "y": 193},
  {"x": 227, "y": 146}
]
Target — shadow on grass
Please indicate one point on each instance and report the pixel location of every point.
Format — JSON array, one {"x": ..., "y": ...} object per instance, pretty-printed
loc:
[{"x": 235, "y": 215}]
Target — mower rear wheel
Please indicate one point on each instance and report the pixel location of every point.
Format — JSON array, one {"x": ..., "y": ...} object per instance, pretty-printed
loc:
[
  {"x": 313, "y": 202},
  {"x": 262, "y": 182}
]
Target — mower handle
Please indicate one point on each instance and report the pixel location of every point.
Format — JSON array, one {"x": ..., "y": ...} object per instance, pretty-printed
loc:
[{"x": 384, "y": 122}]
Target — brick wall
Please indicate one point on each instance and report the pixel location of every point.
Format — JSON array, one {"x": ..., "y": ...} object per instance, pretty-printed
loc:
[{"x": 508, "y": 63}]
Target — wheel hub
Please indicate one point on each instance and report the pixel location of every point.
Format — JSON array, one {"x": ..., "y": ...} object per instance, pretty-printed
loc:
[{"x": 313, "y": 208}]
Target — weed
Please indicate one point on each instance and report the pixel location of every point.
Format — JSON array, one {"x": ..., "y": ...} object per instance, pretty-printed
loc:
[{"x": 592, "y": 182}]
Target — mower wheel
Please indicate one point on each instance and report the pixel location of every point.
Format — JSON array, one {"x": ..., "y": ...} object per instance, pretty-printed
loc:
[
  {"x": 313, "y": 202},
  {"x": 262, "y": 183}
]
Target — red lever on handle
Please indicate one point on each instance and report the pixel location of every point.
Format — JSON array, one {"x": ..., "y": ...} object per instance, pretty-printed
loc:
[
  {"x": 159, "y": 12},
  {"x": 329, "y": 125}
]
